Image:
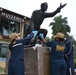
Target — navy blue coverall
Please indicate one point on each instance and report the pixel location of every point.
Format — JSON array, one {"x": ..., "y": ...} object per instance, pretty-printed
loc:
[
  {"x": 69, "y": 58},
  {"x": 57, "y": 61},
  {"x": 16, "y": 62}
]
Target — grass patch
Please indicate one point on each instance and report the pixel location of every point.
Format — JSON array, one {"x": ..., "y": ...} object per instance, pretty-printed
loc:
[{"x": 75, "y": 62}]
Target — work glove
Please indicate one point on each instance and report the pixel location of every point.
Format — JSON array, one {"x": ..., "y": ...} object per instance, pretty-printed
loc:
[
  {"x": 35, "y": 33},
  {"x": 32, "y": 35},
  {"x": 41, "y": 35}
]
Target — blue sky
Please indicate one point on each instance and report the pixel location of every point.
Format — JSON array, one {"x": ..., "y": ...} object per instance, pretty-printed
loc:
[{"x": 25, "y": 7}]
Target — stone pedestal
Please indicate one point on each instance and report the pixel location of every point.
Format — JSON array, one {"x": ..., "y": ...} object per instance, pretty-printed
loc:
[
  {"x": 7, "y": 59},
  {"x": 37, "y": 62}
]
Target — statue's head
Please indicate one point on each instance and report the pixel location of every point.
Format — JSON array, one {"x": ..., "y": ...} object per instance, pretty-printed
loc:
[{"x": 44, "y": 6}]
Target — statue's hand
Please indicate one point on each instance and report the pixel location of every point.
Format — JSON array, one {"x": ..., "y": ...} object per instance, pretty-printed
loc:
[{"x": 62, "y": 6}]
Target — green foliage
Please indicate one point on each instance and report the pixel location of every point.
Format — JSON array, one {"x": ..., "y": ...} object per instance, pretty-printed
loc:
[
  {"x": 2, "y": 70},
  {"x": 47, "y": 39},
  {"x": 60, "y": 24},
  {"x": 75, "y": 62}
]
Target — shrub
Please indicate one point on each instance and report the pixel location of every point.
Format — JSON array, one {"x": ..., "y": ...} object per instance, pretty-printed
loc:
[{"x": 75, "y": 62}]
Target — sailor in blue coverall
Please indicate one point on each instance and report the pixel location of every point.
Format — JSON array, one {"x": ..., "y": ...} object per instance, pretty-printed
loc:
[
  {"x": 57, "y": 61},
  {"x": 69, "y": 57},
  {"x": 16, "y": 62}
]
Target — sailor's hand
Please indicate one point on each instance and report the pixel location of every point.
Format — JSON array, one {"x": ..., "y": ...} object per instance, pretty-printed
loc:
[
  {"x": 41, "y": 35},
  {"x": 35, "y": 32}
]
